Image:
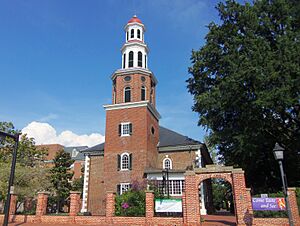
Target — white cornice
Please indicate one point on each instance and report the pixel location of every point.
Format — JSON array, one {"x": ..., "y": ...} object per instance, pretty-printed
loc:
[
  {"x": 135, "y": 23},
  {"x": 135, "y": 43},
  {"x": 129, "y": 71},
  {"x": 109, "y": 107}
]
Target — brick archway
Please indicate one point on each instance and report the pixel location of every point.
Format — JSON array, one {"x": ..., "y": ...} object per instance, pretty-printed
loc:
[{"x": 234, "y": 176}]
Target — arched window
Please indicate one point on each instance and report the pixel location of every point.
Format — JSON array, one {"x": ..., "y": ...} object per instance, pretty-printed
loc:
[
  {"x": 124, "y": 161},
  {"x": 140, "y": 59},
  {"x": 143, "y": 93},
  {"x": 127, "y": 36},
  {"x": 127, "y": 94},
  {"x": 130, "y": 62},
  {"x": 124, "y": 60},
  {"x": 139, "y": 33},
  {"x": 132, "y": 33},
  {"x": 145, "y": 61},
  {"x": 167, "y": 163}
]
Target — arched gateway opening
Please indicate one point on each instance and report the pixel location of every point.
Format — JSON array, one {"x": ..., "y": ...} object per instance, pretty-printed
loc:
[
  {"x": 216, "y": 202},
  {"x": 199, "y": 177}
]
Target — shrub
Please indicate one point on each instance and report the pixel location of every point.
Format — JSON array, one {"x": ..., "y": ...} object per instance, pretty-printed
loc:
[{"x": 131, "y": 203}]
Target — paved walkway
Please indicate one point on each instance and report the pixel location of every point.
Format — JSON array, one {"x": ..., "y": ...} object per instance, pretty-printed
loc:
[
  {"x": 210, "y": 220},
  {"x": 40, "y": 224},
  {"x": 218, "y": 220}
]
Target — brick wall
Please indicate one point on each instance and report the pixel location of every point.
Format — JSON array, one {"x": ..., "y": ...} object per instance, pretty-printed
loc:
[
  {"x": 191, "y": 215},
  {"x": 77, "y": 169},
  {"x": 96, "y": 196},
  {"x": 141, "y": 144},
  {"x": 180, "y": 160}
]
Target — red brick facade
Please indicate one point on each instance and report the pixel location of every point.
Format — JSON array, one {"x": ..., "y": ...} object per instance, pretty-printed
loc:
[
  {"x": 97, "y": 196},
  {"x": 141, "y": 144},
  {"x": 135, "y": 84}
]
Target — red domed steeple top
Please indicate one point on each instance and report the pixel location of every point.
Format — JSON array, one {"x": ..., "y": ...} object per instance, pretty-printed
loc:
[{"x": 134, "y": 19}]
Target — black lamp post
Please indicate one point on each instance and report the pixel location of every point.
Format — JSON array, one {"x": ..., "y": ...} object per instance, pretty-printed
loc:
[
  {"x": 278, "y": 154},
  {"x": 15, "y": 137},
  {"x": 166, "y": 181}
]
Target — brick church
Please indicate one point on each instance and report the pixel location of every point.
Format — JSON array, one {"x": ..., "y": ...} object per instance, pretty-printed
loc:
[{"x": 136, "y": 147}]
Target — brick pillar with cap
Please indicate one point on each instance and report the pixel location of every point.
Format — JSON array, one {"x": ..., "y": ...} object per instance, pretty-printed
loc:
[
  {"x": 13, "y": 204},
  {"x": 41, "y": 206},
  {"x": 110, "y": 206},
  {"x": 74, "y": 203},
  {"x": 149, "y": 206},
  {"x": 293, "y": 205}
]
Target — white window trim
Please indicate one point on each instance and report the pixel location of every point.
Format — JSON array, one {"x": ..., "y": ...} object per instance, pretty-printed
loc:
[
  {"x": 124, "y": 185},
  {"x": 171, "y": 188},
  {"x": 122, "y": 124},
  {"x": 121, "y": 162},
  {"x": 171, "y": 164}
]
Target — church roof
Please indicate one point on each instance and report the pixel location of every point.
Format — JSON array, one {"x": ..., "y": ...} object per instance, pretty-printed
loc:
[
  {"x": 134, "y": 19},
  {"x": 167, "y": 138}
]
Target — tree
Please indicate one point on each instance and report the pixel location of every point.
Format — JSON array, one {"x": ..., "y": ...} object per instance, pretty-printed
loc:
[
  {"x": 61, "y": 176},
  {"x": 28, "y": 180},
  {"x": 245, "y": 81},
  {"x": 30, "y": 175}
]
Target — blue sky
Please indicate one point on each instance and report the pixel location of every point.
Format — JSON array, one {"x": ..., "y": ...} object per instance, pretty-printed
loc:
[{"x": 56, "y": 59}]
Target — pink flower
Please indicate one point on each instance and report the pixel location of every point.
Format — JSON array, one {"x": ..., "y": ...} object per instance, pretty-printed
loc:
[{"x": 125, "y": 205}]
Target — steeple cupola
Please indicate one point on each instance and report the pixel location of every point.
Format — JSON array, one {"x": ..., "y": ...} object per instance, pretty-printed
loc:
[
  {"x": 134, "y": 51},
  {"x": 134, "y": 82}
]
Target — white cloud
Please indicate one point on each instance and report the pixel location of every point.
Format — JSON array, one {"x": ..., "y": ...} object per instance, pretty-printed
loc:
[
  {"x": 43, "y": 133},
  {"x": 48, "y": 117}
]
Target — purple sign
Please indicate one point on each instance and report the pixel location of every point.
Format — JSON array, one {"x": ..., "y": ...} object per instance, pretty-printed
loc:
[{"x": 274, "y": 204}]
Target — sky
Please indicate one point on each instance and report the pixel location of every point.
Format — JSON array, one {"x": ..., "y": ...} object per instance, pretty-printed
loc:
[{"x": 56, "y": 59}]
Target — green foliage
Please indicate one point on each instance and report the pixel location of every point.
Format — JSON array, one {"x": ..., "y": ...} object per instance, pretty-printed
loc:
[
  {"x": 270, "y": 214},
  {"x": 60, "y": 175},
  {"x": 78, "y": 184},
  {"x": 245, "y": 81},
  {"x": 131, "y": 203},
  {"x": 27, "y": 154},
  {"x": 222, "y": 195},
  {"x": 30, "y": 174}
]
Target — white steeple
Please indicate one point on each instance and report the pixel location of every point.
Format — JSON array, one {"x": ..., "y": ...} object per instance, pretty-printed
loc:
[{"x": 134, "y": 51}]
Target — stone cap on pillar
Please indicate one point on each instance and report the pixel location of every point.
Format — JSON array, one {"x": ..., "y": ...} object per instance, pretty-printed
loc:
[
  {"x": 75, "y": 192},
  {"x": 149, "y": 191},
  {"x": 189, "y": 172},
  {"x": 291, "y": 189}
]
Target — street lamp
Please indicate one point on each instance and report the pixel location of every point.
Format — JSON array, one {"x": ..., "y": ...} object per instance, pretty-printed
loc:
[
  {"x": 15, "y": 137},
  {"x": 166, "y": 184},
  {"x": 278, "y": 154}
]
